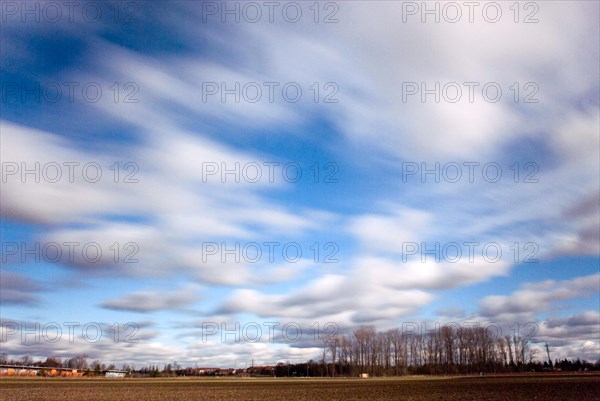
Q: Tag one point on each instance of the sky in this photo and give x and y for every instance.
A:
(227, 183)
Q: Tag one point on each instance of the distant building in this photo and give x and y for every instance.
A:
(14, 370)
(115, 373)
(18, 371)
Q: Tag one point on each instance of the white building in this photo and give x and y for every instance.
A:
(115, 373)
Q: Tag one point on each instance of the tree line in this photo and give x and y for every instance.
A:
(447, 350)
(79, 362)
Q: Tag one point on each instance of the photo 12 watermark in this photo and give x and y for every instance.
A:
(252, 12)
(493, 329)
(55, 12)
(471, 92)
(454, 252)
(69, 252)
(453, 12)
(71, 172)
(254, 332)
(269, 92)
(268, 252)
(471, 171)
(69, 92)
(269, 172)
(53, 332)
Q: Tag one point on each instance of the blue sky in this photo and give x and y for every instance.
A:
(363, 174)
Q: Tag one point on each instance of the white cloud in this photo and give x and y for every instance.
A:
(154, 300)
(19, 289)
(377, 290)
(538, 297)
(388, 232)
(174, 205)
(574, 336)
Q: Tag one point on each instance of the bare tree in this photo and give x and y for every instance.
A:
(510, 350)
(323, 356)
(333, 343)
(26, 360)
(448, 338)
